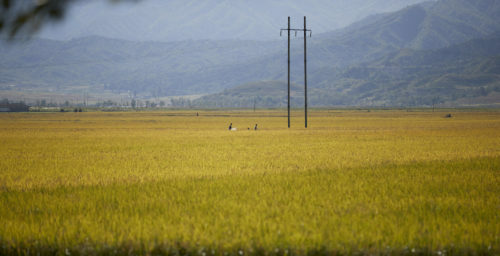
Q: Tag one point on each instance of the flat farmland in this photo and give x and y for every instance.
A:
(174, 182)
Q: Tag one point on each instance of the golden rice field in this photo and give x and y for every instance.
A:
(354, 182)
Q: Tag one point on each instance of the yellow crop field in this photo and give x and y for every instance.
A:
(354, 182)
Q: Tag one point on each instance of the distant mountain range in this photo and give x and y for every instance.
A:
(418, 77)
(179, 20)
(406, 77)
(434, 52)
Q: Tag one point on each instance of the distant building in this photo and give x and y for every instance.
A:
(14, 107)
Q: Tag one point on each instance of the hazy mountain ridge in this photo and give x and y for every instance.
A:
(127, 66)
(420, 77)
(425, 26)
(179, 20)
(403, 78)
(405, 46)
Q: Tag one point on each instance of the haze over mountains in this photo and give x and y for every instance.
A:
(444, 51)
(178, 20)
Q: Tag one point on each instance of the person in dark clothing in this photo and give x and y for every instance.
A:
(255, 128)
(230, 126)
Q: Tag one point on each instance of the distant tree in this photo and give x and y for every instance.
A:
(108, 103)
(435, 100)
(162, 103)
(181, 102)
(133, 103)
(483, 92)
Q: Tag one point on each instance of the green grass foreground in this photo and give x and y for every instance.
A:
(383, 182)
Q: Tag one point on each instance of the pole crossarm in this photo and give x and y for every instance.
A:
(296, 30)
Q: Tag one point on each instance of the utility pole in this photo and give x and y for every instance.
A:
(305, 65)
(288, 71)
(305, 72)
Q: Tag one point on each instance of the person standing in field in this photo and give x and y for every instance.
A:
(230, 126)
(255, 128)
